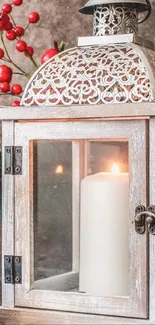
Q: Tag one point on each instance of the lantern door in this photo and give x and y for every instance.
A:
(75, 204)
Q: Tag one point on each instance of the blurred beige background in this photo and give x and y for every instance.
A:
(59, 20)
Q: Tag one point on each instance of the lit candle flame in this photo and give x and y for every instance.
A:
(115, 169)
(59, 169)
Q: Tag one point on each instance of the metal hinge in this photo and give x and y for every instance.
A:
(13, 160)
(12, 269)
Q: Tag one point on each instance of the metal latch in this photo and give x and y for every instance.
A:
(145, 216)
(13, 269)
(140, 219)
(13, 160)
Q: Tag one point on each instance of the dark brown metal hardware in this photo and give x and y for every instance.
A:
(8, 160)
(142, 216)
(140, 219)
(8, 268)
(18, 160)
(17, 269)
(151, 219)
(13, 160)
(13, 269)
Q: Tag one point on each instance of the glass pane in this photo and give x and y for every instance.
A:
(104, 154)
(102, 268)
(52, 188)
(104, 245)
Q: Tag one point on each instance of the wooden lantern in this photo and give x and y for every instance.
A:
(78, 242)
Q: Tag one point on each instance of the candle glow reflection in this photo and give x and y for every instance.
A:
(115, 169)
(59, 169)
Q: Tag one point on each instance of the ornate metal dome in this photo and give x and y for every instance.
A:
(94, 74)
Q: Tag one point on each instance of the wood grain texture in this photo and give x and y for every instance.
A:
(152, 202)
(78, 111)
(136, 304)
(20, 316)
(7, 214)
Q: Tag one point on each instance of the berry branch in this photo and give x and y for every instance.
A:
(12, 20)
(13, 32)
(11, 61)
(27, 53)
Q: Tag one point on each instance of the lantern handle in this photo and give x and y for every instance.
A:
(149, 10)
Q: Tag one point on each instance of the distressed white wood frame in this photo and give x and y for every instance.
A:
(152, 238)
(8, 220)
(127, 110)
(116, 111)
(136, 305)
(30, 316)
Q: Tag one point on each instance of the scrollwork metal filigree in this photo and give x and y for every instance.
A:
(90, 75)
(115, 19)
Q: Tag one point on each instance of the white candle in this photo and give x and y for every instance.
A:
(104, 245)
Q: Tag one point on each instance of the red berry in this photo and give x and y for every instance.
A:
(1, 53)
(21, 46)
(17, 2)
(16, 103)
(6, 8)
(48, 54)
(16, 89)
(11, 35)
(33, 17)
(5, 18)
(19, 30)
(9, 26)
(1, 25)
(5, 73)
(30, 51)
(4, 87)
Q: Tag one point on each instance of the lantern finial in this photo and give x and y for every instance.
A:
(116, 16)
